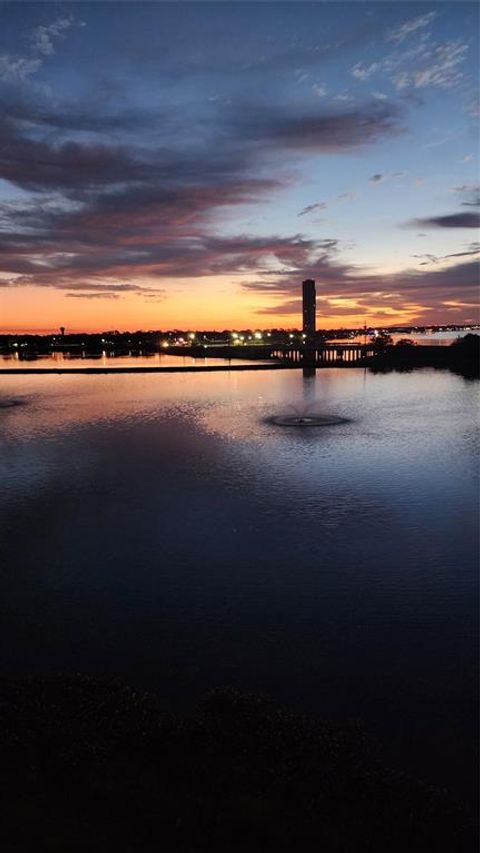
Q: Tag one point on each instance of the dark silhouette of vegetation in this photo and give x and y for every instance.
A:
(468, 344)
(462, 356)
(382, 341)
(88, 764)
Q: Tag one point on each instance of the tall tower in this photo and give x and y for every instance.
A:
(309, 307)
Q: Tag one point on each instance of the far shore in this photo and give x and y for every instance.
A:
(463, 357)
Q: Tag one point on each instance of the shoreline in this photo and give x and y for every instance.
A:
(212, 368)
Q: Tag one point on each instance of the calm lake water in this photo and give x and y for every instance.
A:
(58, 360)
(158, 528)
(430, 339)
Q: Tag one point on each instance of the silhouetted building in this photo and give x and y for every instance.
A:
(309, 307)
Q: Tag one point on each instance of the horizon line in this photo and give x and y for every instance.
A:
(56, 330)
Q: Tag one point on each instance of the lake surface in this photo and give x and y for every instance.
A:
(430, 339)
(58, 360)
(159, 528)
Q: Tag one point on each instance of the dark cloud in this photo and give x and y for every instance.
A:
(38, 164)
(472, 190)
(92, 295)
(467, 188)
(95, 117)
(42, 148)
(105, 250)
(86, 288)
(452, 220)
(432, 259)
(311, 208)
(337, 282)
(111, 209)
(473, 249)
(449, 280)
(292, 306)
(319, 131)
(108, 204)
(75, 149)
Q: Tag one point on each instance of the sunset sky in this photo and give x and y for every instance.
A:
(187, 164)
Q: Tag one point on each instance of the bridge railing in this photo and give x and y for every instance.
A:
(326, 354)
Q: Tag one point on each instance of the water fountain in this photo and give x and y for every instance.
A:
(306, 418)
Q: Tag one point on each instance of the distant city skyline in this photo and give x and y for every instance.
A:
(253, 330)
(188, 165)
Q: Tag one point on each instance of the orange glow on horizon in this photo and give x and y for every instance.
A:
(206, 304)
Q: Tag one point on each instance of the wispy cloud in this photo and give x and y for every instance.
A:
(43, 38)
(311, 208)
(413, 25)
(344, 97)
(42, 45)
(471, 250)
(320, 89)
(416, 61)
(17, 68)
(361, 71)
(92, 295)
(381, 178)
(427, 259)
(438, 67)
(470, 190)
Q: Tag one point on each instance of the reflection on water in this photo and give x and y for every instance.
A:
(430, 339)
(158, 527)
(57, 360)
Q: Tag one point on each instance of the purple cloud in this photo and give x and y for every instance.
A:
(452, 220)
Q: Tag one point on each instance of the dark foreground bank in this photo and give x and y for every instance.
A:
(88, 764)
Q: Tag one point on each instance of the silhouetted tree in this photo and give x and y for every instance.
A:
(469, 343)
(382, 341)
